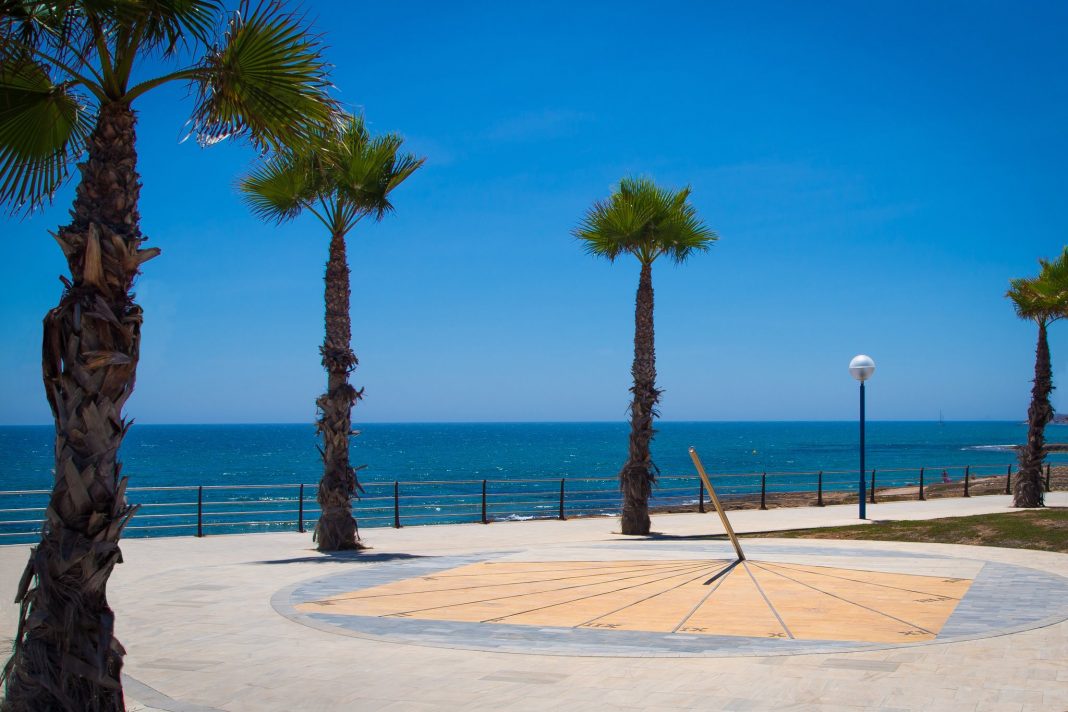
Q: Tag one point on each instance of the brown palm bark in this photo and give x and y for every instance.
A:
(639, 473)
(66, 656)
(1028, 491)
(336, 529)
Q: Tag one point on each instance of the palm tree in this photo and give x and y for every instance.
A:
(343, 176)
(70, 73)
(1043, 300)
(646, 221)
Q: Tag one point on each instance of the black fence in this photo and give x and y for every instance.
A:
(215, 509)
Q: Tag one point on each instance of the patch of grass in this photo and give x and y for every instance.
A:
(1042, 529)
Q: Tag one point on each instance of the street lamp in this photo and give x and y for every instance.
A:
(862, 367)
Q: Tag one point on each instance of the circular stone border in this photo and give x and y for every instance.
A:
(1003, 599)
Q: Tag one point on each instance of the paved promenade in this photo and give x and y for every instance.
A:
(221, 623)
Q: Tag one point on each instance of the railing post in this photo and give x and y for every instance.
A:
(200, 510)
(300, 511)
(396, 504)
(485, 520)
(700, 496)
(763, 490)
(967, 476)
(562, 517)
(1047, 478)
(1008, 480)
(819, 489)
(923, 496)
(872, 485)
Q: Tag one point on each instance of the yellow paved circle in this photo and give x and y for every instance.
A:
(762, 599)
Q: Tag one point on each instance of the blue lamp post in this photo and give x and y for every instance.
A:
(862, 367)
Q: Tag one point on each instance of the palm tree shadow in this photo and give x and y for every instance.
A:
(328, 557)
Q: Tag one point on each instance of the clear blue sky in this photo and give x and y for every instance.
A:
(876, 173)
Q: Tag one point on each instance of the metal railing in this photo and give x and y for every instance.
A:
(206, 509)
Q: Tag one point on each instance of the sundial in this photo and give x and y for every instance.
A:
(762, 599)
(740, 597)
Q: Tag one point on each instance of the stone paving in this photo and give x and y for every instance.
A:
(197, 619)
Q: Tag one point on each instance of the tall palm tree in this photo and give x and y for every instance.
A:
(70, 74)
(343, 176)
(1043, 300)
(646, 221)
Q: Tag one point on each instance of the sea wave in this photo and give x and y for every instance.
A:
(991, 448)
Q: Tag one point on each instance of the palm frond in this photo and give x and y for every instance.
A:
(21, 24)
(24, 21)
(1023, 297)
(345, 169)
(645, 220)
(682, 233)
(43, 129)
(267, 82)
(367, 169)
(606, 227)
(168, 23)
(1044, 297)
(54, 33)
(279, 188)
(402, 168)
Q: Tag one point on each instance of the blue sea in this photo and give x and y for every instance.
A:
(439, 468)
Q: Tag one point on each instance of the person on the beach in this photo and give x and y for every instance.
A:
(945, 477)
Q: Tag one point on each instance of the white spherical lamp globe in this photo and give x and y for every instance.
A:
(862, 367)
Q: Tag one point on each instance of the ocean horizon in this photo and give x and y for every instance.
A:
(264, 453)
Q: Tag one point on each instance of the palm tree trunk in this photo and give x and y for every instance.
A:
(66, 656)
(639, 473)
(1028, 489)
(337, 527)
